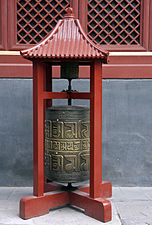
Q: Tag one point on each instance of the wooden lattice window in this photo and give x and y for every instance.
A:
(35, 19)
(114, 24)
(114, 21)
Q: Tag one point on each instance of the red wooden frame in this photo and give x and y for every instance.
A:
(91, 199)
(12, 26)
(3, 24)
(145, 20)
(150, 44)
(146, 23)
(75, 6)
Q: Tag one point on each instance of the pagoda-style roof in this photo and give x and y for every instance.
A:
(66, 41)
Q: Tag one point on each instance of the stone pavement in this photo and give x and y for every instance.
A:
(131, 206)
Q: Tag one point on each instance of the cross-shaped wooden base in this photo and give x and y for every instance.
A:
(98, 208)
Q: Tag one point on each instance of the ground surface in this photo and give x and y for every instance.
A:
(131, 206)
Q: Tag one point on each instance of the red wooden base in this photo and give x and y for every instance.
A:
(98, 208)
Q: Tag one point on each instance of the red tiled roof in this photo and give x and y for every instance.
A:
(67, 40)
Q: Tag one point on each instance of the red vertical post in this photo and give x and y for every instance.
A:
(96, 129)
(38, 129)
(83, 14)
(75, 4)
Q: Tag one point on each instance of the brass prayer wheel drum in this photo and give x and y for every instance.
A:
(67, 144)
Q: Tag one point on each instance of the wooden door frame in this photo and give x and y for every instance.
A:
(3, 24)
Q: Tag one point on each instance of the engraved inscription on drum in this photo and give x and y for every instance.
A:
(66, 130)
(67, 146)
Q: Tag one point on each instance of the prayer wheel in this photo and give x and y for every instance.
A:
(67, 143)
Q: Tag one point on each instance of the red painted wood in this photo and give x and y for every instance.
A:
(99, 208)
(36, 206)
(13, 59)
(95, 129)
(114, 59)
(83, 14)
(32, 206)
(119, 67)
(130, 59)
(55, 95)
(85, 188)
(127, 71)
(65, 95)
(105, 189)
(51, 186)
(124, 48)
(110, 71)
(8, 70)
(74, 4)
(38, 129)
(3, 24)
(12, 25)
(145, 22)
(150, 44)
(77, 95)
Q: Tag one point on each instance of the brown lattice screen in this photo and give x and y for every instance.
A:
(36, 18)
(114, 21)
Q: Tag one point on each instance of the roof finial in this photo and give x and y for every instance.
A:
(69, 13)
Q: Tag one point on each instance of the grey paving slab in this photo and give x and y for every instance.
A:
(134, 222)
(21, 192)
(10, 196)
(11, 217)
(139, 211)
(114, 209)
(117, 194)
(5, 192)
(133, 194)
(148, 192)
